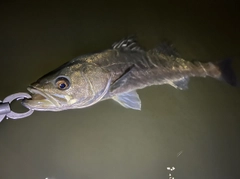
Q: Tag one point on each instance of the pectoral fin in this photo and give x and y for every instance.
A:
(129, 100)
(181, 84)
(122, 80)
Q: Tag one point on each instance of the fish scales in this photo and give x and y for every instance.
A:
(116, 74)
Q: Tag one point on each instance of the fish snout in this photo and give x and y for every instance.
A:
(34, 85)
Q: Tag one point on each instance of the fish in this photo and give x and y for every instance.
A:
(117, 73)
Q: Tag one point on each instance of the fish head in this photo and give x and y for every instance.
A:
(73, 85)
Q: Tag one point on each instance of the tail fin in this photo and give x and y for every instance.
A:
(227, 73)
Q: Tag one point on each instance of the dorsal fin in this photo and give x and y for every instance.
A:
(166, 48)
(128, 43)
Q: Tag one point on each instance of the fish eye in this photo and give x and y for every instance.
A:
(62, 83)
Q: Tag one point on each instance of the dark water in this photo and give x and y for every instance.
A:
(196, 131)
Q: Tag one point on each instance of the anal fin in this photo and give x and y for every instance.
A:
(129, 100)
(181, 84)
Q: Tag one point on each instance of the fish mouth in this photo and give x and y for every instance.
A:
(40, 101)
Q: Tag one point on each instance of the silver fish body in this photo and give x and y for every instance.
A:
(116, 74)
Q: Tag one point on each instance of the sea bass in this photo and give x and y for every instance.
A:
(116, 74)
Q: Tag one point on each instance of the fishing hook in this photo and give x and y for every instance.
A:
(5, 109)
